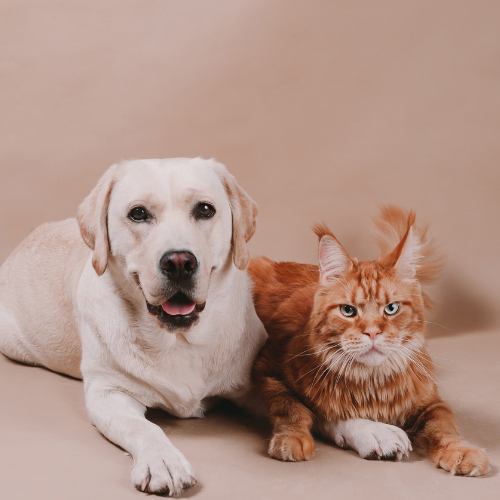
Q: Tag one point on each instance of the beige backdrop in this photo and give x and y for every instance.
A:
(323, 110)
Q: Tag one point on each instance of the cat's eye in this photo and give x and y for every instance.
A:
(139, 214)
(204, 211)
(348, 311)
(392, 308)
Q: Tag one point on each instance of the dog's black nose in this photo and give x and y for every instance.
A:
(178, 265)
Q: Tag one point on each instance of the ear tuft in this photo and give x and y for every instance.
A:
(333, 259)
(321, 229)
(407, 263)
(406, 256)
(390, 227)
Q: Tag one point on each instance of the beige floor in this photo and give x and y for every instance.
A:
(50, 451)
(323, 110)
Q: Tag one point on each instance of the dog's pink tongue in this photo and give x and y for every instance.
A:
(175, 308)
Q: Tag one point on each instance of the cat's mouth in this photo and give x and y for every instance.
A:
(372, 350)
(372, 356)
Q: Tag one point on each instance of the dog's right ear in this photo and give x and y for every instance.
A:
(93, 220)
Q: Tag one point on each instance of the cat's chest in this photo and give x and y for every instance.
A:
(345, 399)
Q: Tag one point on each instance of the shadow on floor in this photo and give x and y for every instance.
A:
(224, 419)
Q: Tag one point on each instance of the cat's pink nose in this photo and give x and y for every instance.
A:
(372, 331)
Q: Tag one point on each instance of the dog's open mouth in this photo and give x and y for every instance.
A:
(178, 304)
(179, 311)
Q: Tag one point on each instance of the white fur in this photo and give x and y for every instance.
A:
(408, 262)
(55, 311)
(333, 260)
(369, 439)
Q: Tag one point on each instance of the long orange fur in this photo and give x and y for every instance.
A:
(300, 312)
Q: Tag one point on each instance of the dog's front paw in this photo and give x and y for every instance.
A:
(462, 459)
(373, 440)
(163, 473)
(291, 447)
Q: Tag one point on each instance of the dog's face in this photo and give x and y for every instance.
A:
(170, 224)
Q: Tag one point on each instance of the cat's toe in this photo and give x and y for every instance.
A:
(464, 460)
(291, 447)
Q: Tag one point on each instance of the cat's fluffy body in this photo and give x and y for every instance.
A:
(321, 366)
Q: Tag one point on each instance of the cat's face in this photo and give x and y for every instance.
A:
(370, 314)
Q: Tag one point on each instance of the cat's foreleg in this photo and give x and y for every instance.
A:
(371, 440)
(436, 430)
(291, 420)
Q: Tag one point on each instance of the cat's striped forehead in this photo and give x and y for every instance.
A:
(369, 282)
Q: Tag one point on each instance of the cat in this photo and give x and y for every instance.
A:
(347, 341)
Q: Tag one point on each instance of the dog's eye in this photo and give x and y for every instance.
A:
(348, 311)
(392, 308)
(204, 211)
(139, 214)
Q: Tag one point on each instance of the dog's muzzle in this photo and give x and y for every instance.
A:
(177, 313)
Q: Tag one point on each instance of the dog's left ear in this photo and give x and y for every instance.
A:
(93, 219)
(244, 214)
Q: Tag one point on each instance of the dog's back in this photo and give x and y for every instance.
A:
(37, 285)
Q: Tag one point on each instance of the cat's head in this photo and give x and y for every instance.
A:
(373, 311)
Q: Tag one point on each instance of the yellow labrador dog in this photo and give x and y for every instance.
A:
(147, 299)
(156, 313)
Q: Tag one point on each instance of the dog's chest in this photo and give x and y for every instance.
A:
(180, 382)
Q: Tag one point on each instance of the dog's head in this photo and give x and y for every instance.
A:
(167, 225)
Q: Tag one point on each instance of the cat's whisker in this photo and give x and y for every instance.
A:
(318, 368)
(328, 346)
(415, 361)
(417, 347)
(344, 364)
(401, 368)
(332, 362)
(433, 323)
(312, 369)
(412, 343)
(429, 359)
(411, 368)
(324, 376)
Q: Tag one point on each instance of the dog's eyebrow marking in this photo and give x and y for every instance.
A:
(193, 193)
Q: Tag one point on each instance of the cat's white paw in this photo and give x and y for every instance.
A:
(164, 473)
(372, 440)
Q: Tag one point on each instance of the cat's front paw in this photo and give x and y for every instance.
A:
(462, 459)
(372, 440)
(291, 447)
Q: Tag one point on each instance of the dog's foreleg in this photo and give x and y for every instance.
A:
(159, 467)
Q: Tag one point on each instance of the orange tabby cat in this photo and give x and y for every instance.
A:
(346, 341)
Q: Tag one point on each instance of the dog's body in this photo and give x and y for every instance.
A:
(57, 311)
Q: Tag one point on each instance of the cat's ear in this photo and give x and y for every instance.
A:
(333, 259)
(406, 256)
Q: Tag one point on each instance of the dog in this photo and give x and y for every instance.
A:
(146, 298)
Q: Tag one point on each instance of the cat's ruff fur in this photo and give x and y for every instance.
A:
(320, 367)
(57, 312)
